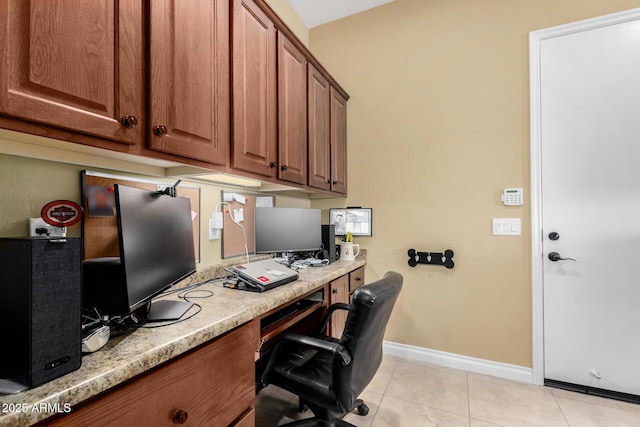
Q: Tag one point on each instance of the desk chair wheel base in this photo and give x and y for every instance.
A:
(363, 409)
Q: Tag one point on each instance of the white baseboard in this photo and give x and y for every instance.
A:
(457, 361)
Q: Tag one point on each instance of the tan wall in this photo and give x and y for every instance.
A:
(438, 126)
(291, 18)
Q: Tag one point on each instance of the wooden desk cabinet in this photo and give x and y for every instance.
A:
(342, 290)
(213, 385)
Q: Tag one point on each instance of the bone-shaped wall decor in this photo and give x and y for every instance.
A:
(434, 258)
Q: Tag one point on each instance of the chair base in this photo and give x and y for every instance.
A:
(360, 406)
(308, 422)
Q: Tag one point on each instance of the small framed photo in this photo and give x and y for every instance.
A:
(359, 221)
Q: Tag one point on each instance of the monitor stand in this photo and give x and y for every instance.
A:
(164, 310)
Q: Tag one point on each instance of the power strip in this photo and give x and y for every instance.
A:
(39, 228)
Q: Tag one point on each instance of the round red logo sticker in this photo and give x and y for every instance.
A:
(61, 213)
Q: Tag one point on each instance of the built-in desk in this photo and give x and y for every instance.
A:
(197, 361)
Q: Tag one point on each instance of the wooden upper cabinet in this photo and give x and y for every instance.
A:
(254, 86)
(292, 112)
(74, 64)
(189, 78)
(319, 131)
(338, 142)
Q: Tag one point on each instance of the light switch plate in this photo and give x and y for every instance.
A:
(507, 227)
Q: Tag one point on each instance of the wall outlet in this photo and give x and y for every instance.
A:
(214, 233)
(39, 228)
(217, 221)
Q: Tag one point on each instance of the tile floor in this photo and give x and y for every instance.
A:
(407, 393)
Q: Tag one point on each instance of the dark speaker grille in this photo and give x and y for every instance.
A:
(56, 309)
(40, 288)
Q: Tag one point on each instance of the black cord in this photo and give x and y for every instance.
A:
(185, 294)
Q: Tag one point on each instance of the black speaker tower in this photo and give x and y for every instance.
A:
(40, 310)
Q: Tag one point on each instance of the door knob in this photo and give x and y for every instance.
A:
(554, 236)
(555, 256)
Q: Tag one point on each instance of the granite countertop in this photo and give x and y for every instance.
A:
(132, 354)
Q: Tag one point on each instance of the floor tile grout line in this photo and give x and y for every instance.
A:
(468, 398)
(555, 399)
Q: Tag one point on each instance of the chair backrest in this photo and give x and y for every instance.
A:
(363, 335)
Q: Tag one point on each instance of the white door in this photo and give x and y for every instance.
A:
(590, 187)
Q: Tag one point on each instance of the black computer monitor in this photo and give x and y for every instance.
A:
(155, 234)
(287, 230)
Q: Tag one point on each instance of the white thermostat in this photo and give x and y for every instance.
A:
(512, 197)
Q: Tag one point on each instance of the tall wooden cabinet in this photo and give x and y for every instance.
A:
(76, 65)
(292, 112)
(327, 134)
(254, 106)
(338, 142)
(189, 78)
(319, 130)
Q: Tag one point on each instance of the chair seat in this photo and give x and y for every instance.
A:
(306, 372)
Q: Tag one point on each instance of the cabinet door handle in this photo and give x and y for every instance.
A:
(284, 167)
(160, 130)
(129, 121)
(328, 181)
(180, 417)
(358, 279)
(334, 182)
(273, 164)
(334, 291)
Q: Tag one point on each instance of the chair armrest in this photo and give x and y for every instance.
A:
(330, 310)
(318, 344)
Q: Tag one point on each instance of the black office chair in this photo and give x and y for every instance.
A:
(328, 374)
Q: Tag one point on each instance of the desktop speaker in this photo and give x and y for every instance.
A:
(40, 309)
(329, 242)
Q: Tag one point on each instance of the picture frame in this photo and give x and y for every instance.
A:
(358, 221)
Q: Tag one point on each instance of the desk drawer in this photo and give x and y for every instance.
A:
(356, 279)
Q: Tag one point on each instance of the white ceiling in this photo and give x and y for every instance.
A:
(318, 12)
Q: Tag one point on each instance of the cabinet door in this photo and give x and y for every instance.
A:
(338, 142)
(189, 78)
(292, 112)
(339, 293)
(356, 279)
(254, 90)
(211, 386)
(319, 138)
(74, 64)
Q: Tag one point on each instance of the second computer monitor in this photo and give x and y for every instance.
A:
(287, 230)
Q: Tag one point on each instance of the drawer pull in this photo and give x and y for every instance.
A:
(358, 279)
(180, 417)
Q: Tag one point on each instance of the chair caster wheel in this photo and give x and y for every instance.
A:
(363, 410)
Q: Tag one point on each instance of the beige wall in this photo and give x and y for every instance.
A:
(437, 128)
(291, 18)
